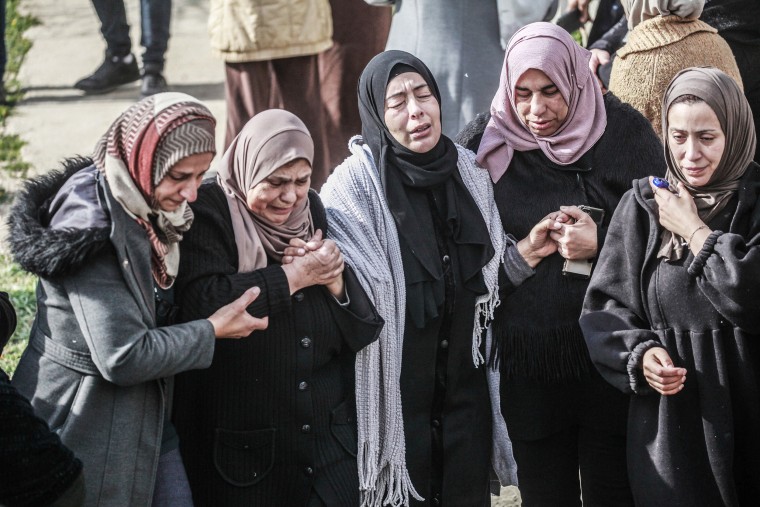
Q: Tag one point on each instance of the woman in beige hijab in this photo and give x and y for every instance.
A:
(671, 314)
(665, 37)
(273, 422)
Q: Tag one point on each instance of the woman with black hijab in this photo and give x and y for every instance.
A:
(415, 217)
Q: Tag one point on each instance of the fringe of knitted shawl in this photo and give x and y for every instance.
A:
(363, 227)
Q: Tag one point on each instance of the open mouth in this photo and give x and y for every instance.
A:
(420, 131)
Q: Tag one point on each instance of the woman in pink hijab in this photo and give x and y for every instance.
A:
(556, 147)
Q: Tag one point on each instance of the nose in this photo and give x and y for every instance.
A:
(693, 152)
(288, 195)
(189, 191)
(415, 111)
(537, 105)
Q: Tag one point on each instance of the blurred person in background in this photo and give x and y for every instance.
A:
(737, 21)
(462, 42)
(270, 51)
(120, 64)
(665, 37)
(360, 31)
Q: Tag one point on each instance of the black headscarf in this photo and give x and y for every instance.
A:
(412, 181)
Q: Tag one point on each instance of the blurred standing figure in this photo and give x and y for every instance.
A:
(270, 50)
(665, 38)
(120, 65)
(342, 64)
(671, 313)
(462, 42)
(737, 21)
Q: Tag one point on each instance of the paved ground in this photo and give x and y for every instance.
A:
(57, 121)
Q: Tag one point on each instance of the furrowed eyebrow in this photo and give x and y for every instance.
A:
(543, 88)
(422, 85)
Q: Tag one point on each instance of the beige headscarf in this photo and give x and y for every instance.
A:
(726, 99)
(136, 153)
(268, 141)
(640, 10)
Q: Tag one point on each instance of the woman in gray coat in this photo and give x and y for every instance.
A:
(103, 237)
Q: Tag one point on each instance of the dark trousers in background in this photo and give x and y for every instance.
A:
(155, 18)
(547, 469)
(342, 64)
(285, 83)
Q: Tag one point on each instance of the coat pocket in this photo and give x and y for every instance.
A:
(343, 426)
(244, 458)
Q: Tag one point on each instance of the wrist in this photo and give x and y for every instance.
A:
(291, 273)
(694, 231)
(531, 258)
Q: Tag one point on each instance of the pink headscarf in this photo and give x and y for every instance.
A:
(550, 49)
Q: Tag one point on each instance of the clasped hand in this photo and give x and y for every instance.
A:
(569, 231)
(314, 262)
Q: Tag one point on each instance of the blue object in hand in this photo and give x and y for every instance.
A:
(660, 183)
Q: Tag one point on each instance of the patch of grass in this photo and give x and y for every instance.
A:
(16, 282)
(20, 287)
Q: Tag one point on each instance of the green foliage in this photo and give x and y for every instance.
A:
(578, 37)
(20, 286)
(17, 46)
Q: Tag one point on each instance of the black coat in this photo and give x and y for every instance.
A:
(702, 445)
(548, 380)
(273, 419)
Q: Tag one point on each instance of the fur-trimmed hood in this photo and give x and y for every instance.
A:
(40, 249)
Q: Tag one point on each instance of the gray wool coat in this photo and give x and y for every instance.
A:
(97, 368)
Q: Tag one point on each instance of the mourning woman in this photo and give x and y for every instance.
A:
(415, 217)
(671, 316)
(103, 236)
(553, 142)
(272, 421)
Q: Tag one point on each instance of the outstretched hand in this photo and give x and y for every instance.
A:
(660, 373)
(234, 321)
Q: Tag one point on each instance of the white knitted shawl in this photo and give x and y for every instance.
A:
(363, 227)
